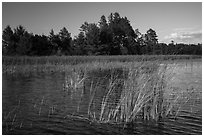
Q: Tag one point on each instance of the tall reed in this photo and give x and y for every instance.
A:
(141, 96)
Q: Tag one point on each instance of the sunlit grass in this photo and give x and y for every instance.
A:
(50, 64)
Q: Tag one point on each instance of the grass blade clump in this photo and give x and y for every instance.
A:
(141, 95)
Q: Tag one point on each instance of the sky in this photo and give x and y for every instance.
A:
(177, 21)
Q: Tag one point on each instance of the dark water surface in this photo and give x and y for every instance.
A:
(40, 104)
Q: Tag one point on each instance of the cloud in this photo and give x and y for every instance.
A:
(184, 29)
(185, 36)
(197, 35)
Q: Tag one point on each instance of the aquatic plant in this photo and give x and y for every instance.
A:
(143, 96)
(45, 64)
(141, 92)
(74, 81)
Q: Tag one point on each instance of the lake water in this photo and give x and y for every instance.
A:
(41, 104)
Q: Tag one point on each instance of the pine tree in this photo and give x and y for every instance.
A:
(65, 38)
(151, 40)
(8, 41)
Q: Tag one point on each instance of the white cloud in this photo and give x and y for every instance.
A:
(185, 36)
(183, 29)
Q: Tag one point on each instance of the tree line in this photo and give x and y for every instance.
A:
(114, 36)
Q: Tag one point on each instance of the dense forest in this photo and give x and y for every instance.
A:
(114, 36)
